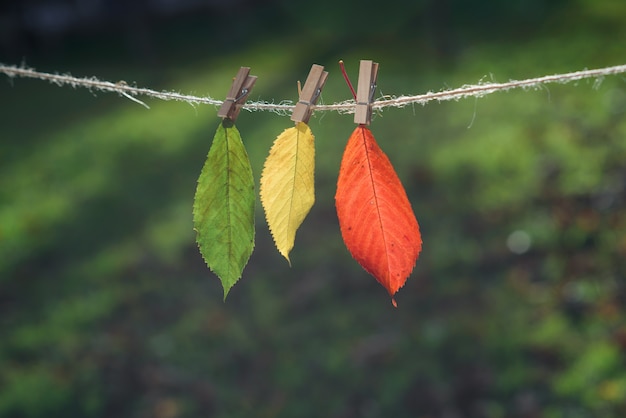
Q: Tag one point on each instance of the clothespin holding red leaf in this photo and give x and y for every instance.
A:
(368, 73)
(375, 216)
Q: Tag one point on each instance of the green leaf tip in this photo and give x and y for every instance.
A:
(223, 207)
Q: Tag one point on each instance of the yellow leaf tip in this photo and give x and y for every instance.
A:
(286, 255)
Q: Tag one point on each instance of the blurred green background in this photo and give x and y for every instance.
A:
(515, 307)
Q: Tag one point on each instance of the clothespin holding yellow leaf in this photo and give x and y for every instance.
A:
(287, 182)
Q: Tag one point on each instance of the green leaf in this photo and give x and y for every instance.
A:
(223, 208)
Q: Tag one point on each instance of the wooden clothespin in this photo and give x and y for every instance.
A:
(239, 91)
(368, 72)
(310, 94)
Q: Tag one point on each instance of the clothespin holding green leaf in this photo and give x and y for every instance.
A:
(223, 208)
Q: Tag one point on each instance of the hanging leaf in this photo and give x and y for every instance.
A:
(287, 186)
(375, 216)
(223, 208)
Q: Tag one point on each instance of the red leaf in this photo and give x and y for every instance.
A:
(376, 219)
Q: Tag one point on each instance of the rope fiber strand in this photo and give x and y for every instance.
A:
(286, 107)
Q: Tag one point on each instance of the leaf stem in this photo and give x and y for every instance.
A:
(345, 76)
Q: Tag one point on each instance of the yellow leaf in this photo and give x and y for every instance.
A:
(287, 189)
